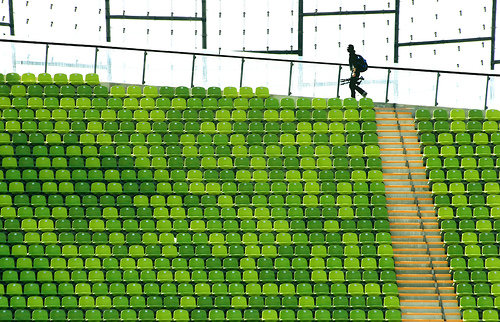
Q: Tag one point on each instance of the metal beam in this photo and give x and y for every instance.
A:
(108, 21)
(144, 68)
(396, 32)
(290, 79)
(437, 89)
(387, 86)
(493, 32)
(204, 24)
(11, 17)
(300, 27)
(166, 18)
(241, 71)
(486, 93)
(447, 41)
(95, 59)
(348, 13)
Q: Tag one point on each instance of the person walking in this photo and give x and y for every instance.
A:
(357, 64)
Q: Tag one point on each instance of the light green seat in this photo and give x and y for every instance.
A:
(457, 114)
(492, 115)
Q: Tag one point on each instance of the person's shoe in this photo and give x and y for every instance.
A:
(364, 94)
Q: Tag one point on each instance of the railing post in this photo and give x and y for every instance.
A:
(95, 60)
(241, 71)
(387, 86)
(144, 68)
(437, 88)
(338, 82)
(290, 79)
(486, 93)
(192, 70)
(46, 56)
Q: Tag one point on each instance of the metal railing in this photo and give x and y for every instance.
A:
(283, 75)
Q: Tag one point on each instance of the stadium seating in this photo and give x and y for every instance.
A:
(461, 154)
(178, 203)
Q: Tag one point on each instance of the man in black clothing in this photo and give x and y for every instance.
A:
(355, 73)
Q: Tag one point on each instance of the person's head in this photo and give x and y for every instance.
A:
(350, 49)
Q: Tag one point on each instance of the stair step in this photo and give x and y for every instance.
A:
(426, 290)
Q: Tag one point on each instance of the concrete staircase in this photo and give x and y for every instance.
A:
(426, 289)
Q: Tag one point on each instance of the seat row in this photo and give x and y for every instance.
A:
(468, 225)
(47, 79)
(456, 115)
(116, 287)
(458, 188)
(226, 213)
(189, 200)
(460, 139)
(208, 163)
(201, 315)
(458, 127)
(479, 212)
(198, 176)
(66, 98)
(21, 93)
(226, 133)
(464, 151)
(214, 188)
(471, 237)
(100, 111)
(266, 228)
(235, 151)
(101, 231)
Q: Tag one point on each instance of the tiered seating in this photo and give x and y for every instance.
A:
(190, 204)
(462, 153)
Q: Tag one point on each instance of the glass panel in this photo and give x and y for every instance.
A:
(168, 69)
(23, 58)
(461, 91)
(271, 74)
(375, 84)
(494, 93)
(414, 88)
(314, 80)
(214, 71)
(70, 59)
(120, 66)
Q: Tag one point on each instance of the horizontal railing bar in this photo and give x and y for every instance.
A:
(287, 60)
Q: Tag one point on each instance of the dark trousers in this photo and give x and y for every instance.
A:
(353, 85)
